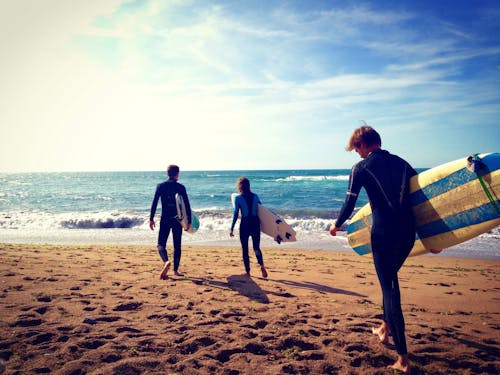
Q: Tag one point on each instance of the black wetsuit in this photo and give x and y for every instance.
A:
(166, 191)
(385, 178)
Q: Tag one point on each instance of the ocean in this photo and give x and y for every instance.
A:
(113, 208)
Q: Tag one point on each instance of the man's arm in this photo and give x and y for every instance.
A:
(186, 204)
(235, 214)
(154, 204)
(350, 201)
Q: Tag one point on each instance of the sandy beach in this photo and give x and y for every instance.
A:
(103, 310)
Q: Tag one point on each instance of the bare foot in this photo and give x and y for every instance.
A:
(247, 274)
(382, 332)
(264, 272)
(163, 274)
(401, 364)
(177, 273)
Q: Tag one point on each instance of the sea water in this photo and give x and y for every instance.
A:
(113, 208)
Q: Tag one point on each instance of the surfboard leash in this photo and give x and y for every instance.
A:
(475, 164)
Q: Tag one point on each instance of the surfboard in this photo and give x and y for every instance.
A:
(272, 224)
(452, 203)
(182, 216)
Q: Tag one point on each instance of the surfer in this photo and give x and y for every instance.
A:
(247, 203)
(385, 178)
(166, 191)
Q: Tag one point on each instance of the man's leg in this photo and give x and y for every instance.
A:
(162, 247)
(244, 235)
(177, 237)
(162, 240)
(257, 250)
(393, 314)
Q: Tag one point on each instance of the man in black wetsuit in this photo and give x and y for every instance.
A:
(166, 191)
(385, 178)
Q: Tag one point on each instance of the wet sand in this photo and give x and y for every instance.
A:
(103, 310)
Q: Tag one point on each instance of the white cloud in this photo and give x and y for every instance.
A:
(109, 85)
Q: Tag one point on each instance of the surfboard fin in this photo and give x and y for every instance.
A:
(288, 235)
(278, 221)
(279, 239)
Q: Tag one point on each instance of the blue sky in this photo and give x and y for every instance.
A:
(137, 85)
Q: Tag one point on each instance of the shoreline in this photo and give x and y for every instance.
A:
(102, 309)
(476, 248)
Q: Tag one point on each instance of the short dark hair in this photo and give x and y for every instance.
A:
(172, 170)
(365, 134)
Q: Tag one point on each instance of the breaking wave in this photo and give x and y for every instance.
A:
(122, 222)
(313, 178)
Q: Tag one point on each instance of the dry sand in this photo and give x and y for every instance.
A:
(103, 310)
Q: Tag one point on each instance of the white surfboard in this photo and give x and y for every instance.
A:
(272, 225)
(182, 216)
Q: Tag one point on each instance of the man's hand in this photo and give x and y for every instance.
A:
(188, 228)
(333, 230)
(231, 234)
(434, 251)
(152, 224)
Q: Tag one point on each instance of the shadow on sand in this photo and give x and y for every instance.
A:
(318, 287)
(242, 284)
(247, 287)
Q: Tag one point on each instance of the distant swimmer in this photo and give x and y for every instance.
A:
(385, 177)
(167, 191)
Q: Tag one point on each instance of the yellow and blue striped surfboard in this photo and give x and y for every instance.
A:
(451, 203)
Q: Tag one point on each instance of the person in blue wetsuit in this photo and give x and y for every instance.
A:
(166, 191)
(385, 177)
(247, 203)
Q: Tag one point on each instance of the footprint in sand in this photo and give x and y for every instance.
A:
(292, 342)
(170, 317)
(91, 344)
(43, 338)
(128, 306)
(256, 348)
(261, 324)
(27, 323)
(249, 335)
(314, 332)
(429, 349)
(127, 329)
(194, 345)
(108, 319)
(225, 355)
(42, 310)
(360, 327)
(110, 358)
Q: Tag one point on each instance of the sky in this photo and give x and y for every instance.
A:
(118, 85)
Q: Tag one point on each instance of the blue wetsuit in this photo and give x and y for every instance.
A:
(385, 178)
(249, 226)
(166, 191)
